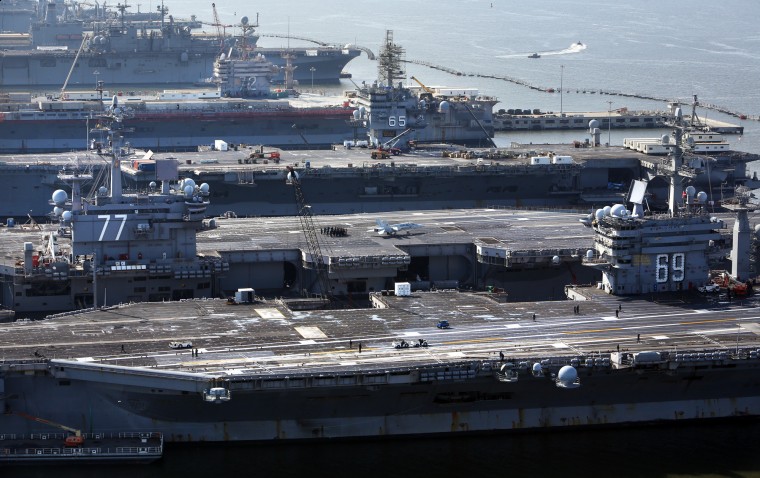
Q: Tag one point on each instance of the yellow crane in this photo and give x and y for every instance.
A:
(427, 90)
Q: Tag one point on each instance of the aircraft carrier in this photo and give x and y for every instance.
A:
(410, 352)
(249, 181)
(245, 109)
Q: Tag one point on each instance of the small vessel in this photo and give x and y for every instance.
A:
(534, 55)
(56, 448)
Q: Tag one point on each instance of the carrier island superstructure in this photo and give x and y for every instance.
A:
(647, 253)
(114, 235)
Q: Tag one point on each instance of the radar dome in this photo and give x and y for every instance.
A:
(590, 254)
(690, 141)
(599, 214)
(702, 197)
(292, 176)
(188, 182)
(714, 219)
(757, 228)
(593, 124)
(665, 139)
(690, 190)
(618, 210)
(205, 188)
(102, 190)
(567, 374)
(57, 211)
(555, 260)
(60, 196)
(607, 210)
(188, 191)
(444, 107)
(362, 111)
(244, 20)
(152, 185)
(66, 216)
(537, 369)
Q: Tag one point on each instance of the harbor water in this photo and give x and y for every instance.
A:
(647, 48)
(700, 451)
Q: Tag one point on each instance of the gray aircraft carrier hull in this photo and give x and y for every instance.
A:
(39, 68)
(379, 403)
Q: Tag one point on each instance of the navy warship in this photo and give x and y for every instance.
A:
(245, 108)
(425, 357)
(17, 15)
(263, 370)
(126, 52)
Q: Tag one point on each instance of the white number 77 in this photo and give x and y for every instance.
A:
(107, 217)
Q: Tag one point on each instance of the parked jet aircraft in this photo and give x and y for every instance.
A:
(383, 228)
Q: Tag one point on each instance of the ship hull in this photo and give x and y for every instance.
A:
(184, 132)
(19, 68)
(259, 193)
(348, 406)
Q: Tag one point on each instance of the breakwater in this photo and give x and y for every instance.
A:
(589, 91)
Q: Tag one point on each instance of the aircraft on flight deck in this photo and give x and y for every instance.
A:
(383, 228)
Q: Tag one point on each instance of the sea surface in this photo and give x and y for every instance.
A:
(666, 49)
(670, 50)
(678, 451)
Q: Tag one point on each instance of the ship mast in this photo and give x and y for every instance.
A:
(390, 59)
(675, 191)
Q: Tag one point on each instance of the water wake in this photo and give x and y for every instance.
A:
(574, 48)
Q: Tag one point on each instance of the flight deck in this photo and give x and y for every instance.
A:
(267, 338)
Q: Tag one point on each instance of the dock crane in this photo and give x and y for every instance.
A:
(219, 27)
(73, 65)
(74, 440)
(310, 232)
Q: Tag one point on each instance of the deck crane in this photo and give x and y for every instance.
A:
(74, 440)
(73, 65)
(422, 85)
(219, 26)
(310, 232)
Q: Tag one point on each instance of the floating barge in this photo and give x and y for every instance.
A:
(49, 448)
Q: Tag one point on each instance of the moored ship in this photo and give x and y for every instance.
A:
(165, 52)
(254, 369)
(246, 109)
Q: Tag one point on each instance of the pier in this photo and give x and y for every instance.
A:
(590, 91)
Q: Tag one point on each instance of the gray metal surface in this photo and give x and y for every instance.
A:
(266, 338)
